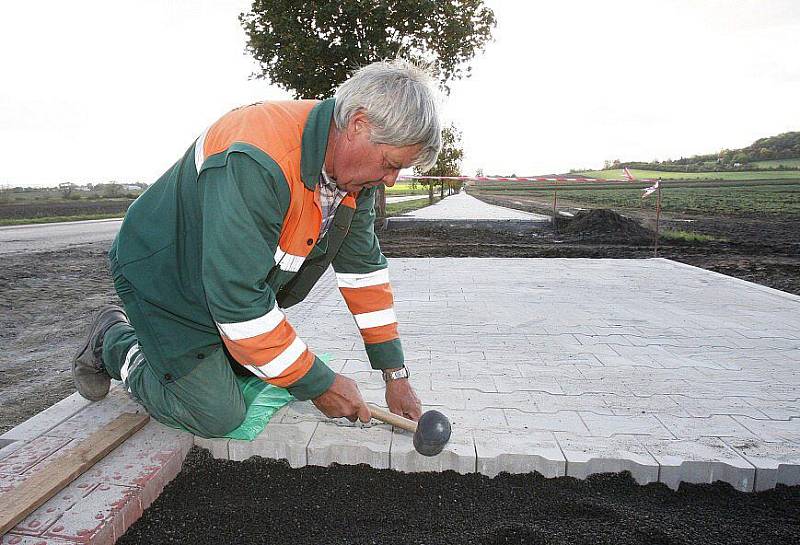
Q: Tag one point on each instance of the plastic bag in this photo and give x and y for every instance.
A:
(262, 400)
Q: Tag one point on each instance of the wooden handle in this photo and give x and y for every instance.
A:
(390, 418)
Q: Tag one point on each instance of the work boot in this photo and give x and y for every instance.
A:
(88, 371)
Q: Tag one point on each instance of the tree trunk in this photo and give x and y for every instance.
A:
(380, 206)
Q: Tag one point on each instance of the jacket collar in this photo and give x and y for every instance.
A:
(315, 142)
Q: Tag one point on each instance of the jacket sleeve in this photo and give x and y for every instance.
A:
(243, 208)
(363, 277)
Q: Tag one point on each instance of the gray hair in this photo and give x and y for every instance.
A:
(400, 103)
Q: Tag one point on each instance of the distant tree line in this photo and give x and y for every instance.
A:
(782, 146)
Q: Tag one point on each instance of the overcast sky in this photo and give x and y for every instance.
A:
(93, 90)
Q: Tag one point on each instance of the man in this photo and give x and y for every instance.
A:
(243, 225)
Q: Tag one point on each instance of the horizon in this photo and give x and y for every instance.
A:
(634, 81)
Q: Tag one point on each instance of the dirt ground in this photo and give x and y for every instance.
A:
(761, 249)
(260, 501)
(63, 208)
(46, 302)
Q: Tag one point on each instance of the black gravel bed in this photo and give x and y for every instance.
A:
(261, 501)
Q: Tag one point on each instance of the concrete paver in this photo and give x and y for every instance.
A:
(588, 455)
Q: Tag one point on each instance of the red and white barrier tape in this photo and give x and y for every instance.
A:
(522, 179)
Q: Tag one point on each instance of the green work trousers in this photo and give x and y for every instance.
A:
(206, 401)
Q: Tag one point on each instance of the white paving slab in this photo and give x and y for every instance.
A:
(570, 366)
(462, 206)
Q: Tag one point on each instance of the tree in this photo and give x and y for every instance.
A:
(309, 47)
(449, 161)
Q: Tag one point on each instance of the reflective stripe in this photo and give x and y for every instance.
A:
(199, 157)
(375, 319)
(132, 360)
(348, 280)
(252, 328)
(288, 262)
(282, 362)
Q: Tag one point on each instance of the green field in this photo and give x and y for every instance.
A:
(400, 208)
(788, 163)
(752, 175)
(404, 188)
(692, 197)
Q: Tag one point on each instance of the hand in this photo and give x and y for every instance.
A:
(343, 399)
(402, 400)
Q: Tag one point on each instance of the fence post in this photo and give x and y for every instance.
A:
(658, 217)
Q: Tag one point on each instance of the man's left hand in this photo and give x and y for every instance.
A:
(402, 400)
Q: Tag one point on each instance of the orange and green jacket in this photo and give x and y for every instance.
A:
(229, 236)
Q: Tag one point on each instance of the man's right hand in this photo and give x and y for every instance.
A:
(343, 399)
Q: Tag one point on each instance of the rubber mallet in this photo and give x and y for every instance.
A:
(431, 433)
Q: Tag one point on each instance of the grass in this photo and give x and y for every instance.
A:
(687, 236)
(404, 188)
(399, 208)
(57, 219)
(774, 163)
(751, 175)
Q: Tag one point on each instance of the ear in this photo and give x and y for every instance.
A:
(357, 124)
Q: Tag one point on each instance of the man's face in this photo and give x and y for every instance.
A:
(359, 163)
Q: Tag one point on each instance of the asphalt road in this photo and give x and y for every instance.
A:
(52, 236)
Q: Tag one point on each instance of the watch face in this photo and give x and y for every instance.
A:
(393, 375)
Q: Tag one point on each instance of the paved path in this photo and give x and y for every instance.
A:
(462, 206)
(52, 236)
(561, 366)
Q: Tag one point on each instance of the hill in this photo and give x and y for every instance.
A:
(780, 152)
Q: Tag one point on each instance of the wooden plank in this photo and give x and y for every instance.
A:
(31, 493)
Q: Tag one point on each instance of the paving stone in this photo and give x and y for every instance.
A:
(298, 411)
(31, 453)
(571, 386)
(710, 426)
(458, 455)
(99, 517)
(604, 425)
(516, 452)
(277, 441)
(704, 408)
(530, 384)
(703, 460)
(96, 414)
(46, 420)
(145, 462)
(634, 405)
(45, 516)
(772, 431)
(217, 446)
(568, 421)
(775, 463)
(350, 444)
(16, 539)
(550, 403)
(588, 455)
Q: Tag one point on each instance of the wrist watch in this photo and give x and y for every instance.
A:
(394, 375)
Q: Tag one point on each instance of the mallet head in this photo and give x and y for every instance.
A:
(433, 433)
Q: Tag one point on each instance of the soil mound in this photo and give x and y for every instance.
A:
(606, 225)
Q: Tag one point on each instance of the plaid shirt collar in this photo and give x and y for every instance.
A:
(330, 197)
